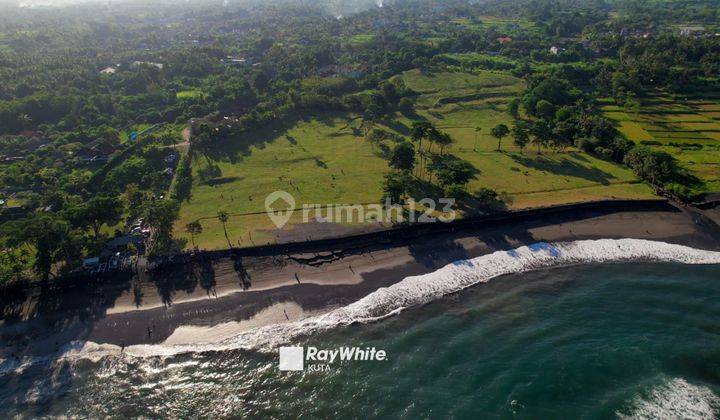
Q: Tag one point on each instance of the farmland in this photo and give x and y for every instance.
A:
(687, 129)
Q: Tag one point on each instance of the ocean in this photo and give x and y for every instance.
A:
(626, 339)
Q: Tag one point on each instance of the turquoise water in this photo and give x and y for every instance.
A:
(590, 341)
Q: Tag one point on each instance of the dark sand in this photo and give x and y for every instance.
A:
(180, 304)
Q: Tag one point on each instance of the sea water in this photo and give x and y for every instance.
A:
(620, 340)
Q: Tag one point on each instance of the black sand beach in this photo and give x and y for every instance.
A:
(178, 304)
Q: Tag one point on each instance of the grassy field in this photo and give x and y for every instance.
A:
(324, 159)
(320, 160)
(189, 94)
(687, 129)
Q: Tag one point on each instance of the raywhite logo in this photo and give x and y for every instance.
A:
(291, 358)
(319, 360)
(281, 216)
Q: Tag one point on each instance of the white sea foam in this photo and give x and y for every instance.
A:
(676, 399)
(419, 290)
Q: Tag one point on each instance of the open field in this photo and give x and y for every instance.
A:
(688, 130)
(189, 94)
(319, 160)
(324, 159)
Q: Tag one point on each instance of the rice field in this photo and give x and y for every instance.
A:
(688, 130)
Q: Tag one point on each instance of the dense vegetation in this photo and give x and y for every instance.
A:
(97, 105)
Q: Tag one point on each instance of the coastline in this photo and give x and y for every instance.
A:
(179, 303)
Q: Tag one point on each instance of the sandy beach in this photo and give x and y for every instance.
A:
(210, 300)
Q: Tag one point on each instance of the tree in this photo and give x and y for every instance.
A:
(406, 105)
(500, 131)
(514, 108)
(222, 216)
(440, 138)
(396, 185)
(418, 132)
(96, 212)
(542, 133)
(193, 228)
(655, 166)
(632, 105)
(53, 241)
(403, 157)
(520, 135)
(452, 170)
(545, 109)
(160, 216)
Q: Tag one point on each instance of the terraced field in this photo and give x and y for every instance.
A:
(687, 129)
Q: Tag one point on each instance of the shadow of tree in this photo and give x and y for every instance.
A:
(242, 273)
(564, 166)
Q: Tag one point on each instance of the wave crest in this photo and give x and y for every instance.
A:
(676, 399)
(419, 290)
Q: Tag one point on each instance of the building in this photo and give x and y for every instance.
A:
(97, 151)
(504, 40)
(691, 30)
(147, 63)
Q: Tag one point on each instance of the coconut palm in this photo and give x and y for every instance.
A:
(223, 218)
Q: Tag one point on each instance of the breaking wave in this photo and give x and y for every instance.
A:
(415, 291)
(676, 399)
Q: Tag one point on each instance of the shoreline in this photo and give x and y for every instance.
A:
(185, 300)
(345, 239)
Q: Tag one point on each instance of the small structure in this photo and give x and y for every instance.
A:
(91, 263)
(108, 70)
(504, 40)
(554, 50)
(147, 63)
(171, 158)
(97, 150)
(691, 30)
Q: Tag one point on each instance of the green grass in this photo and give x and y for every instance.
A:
(633, 130)
(317, 159)
(684, 122)
(189, 94)
(360, 39)
(324, 159)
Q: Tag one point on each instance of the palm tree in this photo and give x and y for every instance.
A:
(194, 228)
(419, 131)
(223, 218)
(477, 132)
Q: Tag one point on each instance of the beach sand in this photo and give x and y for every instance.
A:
(203, 302)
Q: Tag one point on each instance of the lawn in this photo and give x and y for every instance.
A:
(324, 159)
(318, 159)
